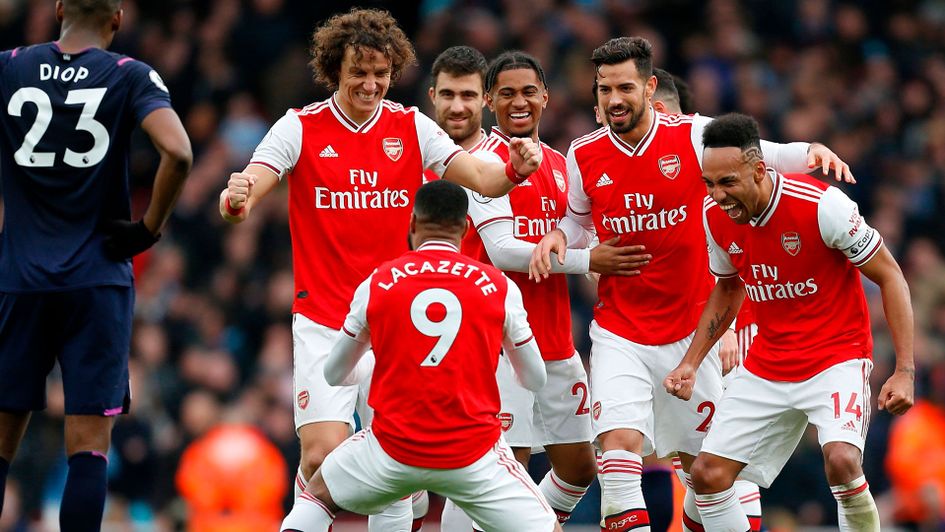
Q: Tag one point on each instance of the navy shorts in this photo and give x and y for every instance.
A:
(87, 330)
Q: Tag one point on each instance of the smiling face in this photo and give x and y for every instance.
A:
(458, 102)
(517, 99)
(623, 95)
(363, 82)
(737, 180)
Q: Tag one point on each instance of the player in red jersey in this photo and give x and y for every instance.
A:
(353, 163)
(507, 229)
(639, 179)
(797, 247)
(436, 320)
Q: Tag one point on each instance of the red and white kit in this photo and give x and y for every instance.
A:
(437, 320)
(812, 357)
(650, 194)
(507, 229)
(350, 194)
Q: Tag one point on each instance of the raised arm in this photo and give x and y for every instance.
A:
(495, 179)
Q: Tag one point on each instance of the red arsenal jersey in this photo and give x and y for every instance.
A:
(534, 207)
(649, 194)
(350, 193)
(798, 260)
(437, 320)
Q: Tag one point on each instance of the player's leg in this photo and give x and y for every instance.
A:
(622, 418)
(749, 496)
(357, 476)
(657, 484)
(562, 423)
(680, 426)
(27, 353)
(454, 519)
(837, 401)
(497, 492)
(754, 431)
(419, 506)
(94, 363)
(12, 427)
(324, 414)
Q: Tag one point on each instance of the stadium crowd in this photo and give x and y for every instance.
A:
(212, 342)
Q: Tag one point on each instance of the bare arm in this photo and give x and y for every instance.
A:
(170, 139)
(897, 395)
(724, 301)
(244, 190)
(494, 179)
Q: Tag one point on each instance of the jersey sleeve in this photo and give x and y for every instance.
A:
(843, 227)
(355, 325)
(148, 92)
(279, 150)
(720, 264)
(577, 225)
(437, 149)
(517, 330)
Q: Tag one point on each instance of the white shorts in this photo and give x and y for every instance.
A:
(315, 399)
(627, 392)
(495, 491)
(745, 336)
(760, 422)
(558, 413)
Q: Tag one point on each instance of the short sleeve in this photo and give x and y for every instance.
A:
(699, 123)
(843, 227)
(578, 202)
(355, 325)
(517, 330)
(436, 147)
(720, 264)
(280, 149)
(148, 92)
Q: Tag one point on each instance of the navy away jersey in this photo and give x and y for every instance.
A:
(65, 129)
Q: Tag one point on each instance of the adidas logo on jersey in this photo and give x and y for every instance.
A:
(734, 249)
(604, 180)
(849, 426)
(328, 152)
(525, 183)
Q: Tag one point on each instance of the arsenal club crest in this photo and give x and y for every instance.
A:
(505, 420)
(791, 242)
(595, 410)
(670, 166)
(394, 148)
(303, 399)
(559, 180)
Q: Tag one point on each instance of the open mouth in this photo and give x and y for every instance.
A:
(618, 114)
(733, 210)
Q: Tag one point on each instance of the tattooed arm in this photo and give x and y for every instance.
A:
(724, 301)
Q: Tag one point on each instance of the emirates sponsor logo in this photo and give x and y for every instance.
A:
(670, 166)
(505, 420)
(791, 242)
(303, 399)
(393, 148)
(595, 410)
(559, 180)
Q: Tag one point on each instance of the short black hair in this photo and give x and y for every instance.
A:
(732, 130)
(441, 202)
(620, 49)
(90, 10)
(665, 86)
(460, 61)
(511, 61)
(685, 95)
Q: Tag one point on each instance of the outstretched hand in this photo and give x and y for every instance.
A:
(822, 156)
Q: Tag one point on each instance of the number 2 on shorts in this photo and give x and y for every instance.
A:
(445, 330)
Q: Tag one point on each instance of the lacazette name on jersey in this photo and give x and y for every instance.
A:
(468, 271)
(358, 197)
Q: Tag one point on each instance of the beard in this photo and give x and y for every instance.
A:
(461, 133)
(630, 124)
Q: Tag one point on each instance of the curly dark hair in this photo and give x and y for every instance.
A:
(373, 29)
(732, 130)
(622, 49)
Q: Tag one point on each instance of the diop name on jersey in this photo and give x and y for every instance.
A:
(459, 269)
(649, 221)
(771, 291)
(73, 74)
(325, 198)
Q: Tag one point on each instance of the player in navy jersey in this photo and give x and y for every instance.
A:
(69, 108)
